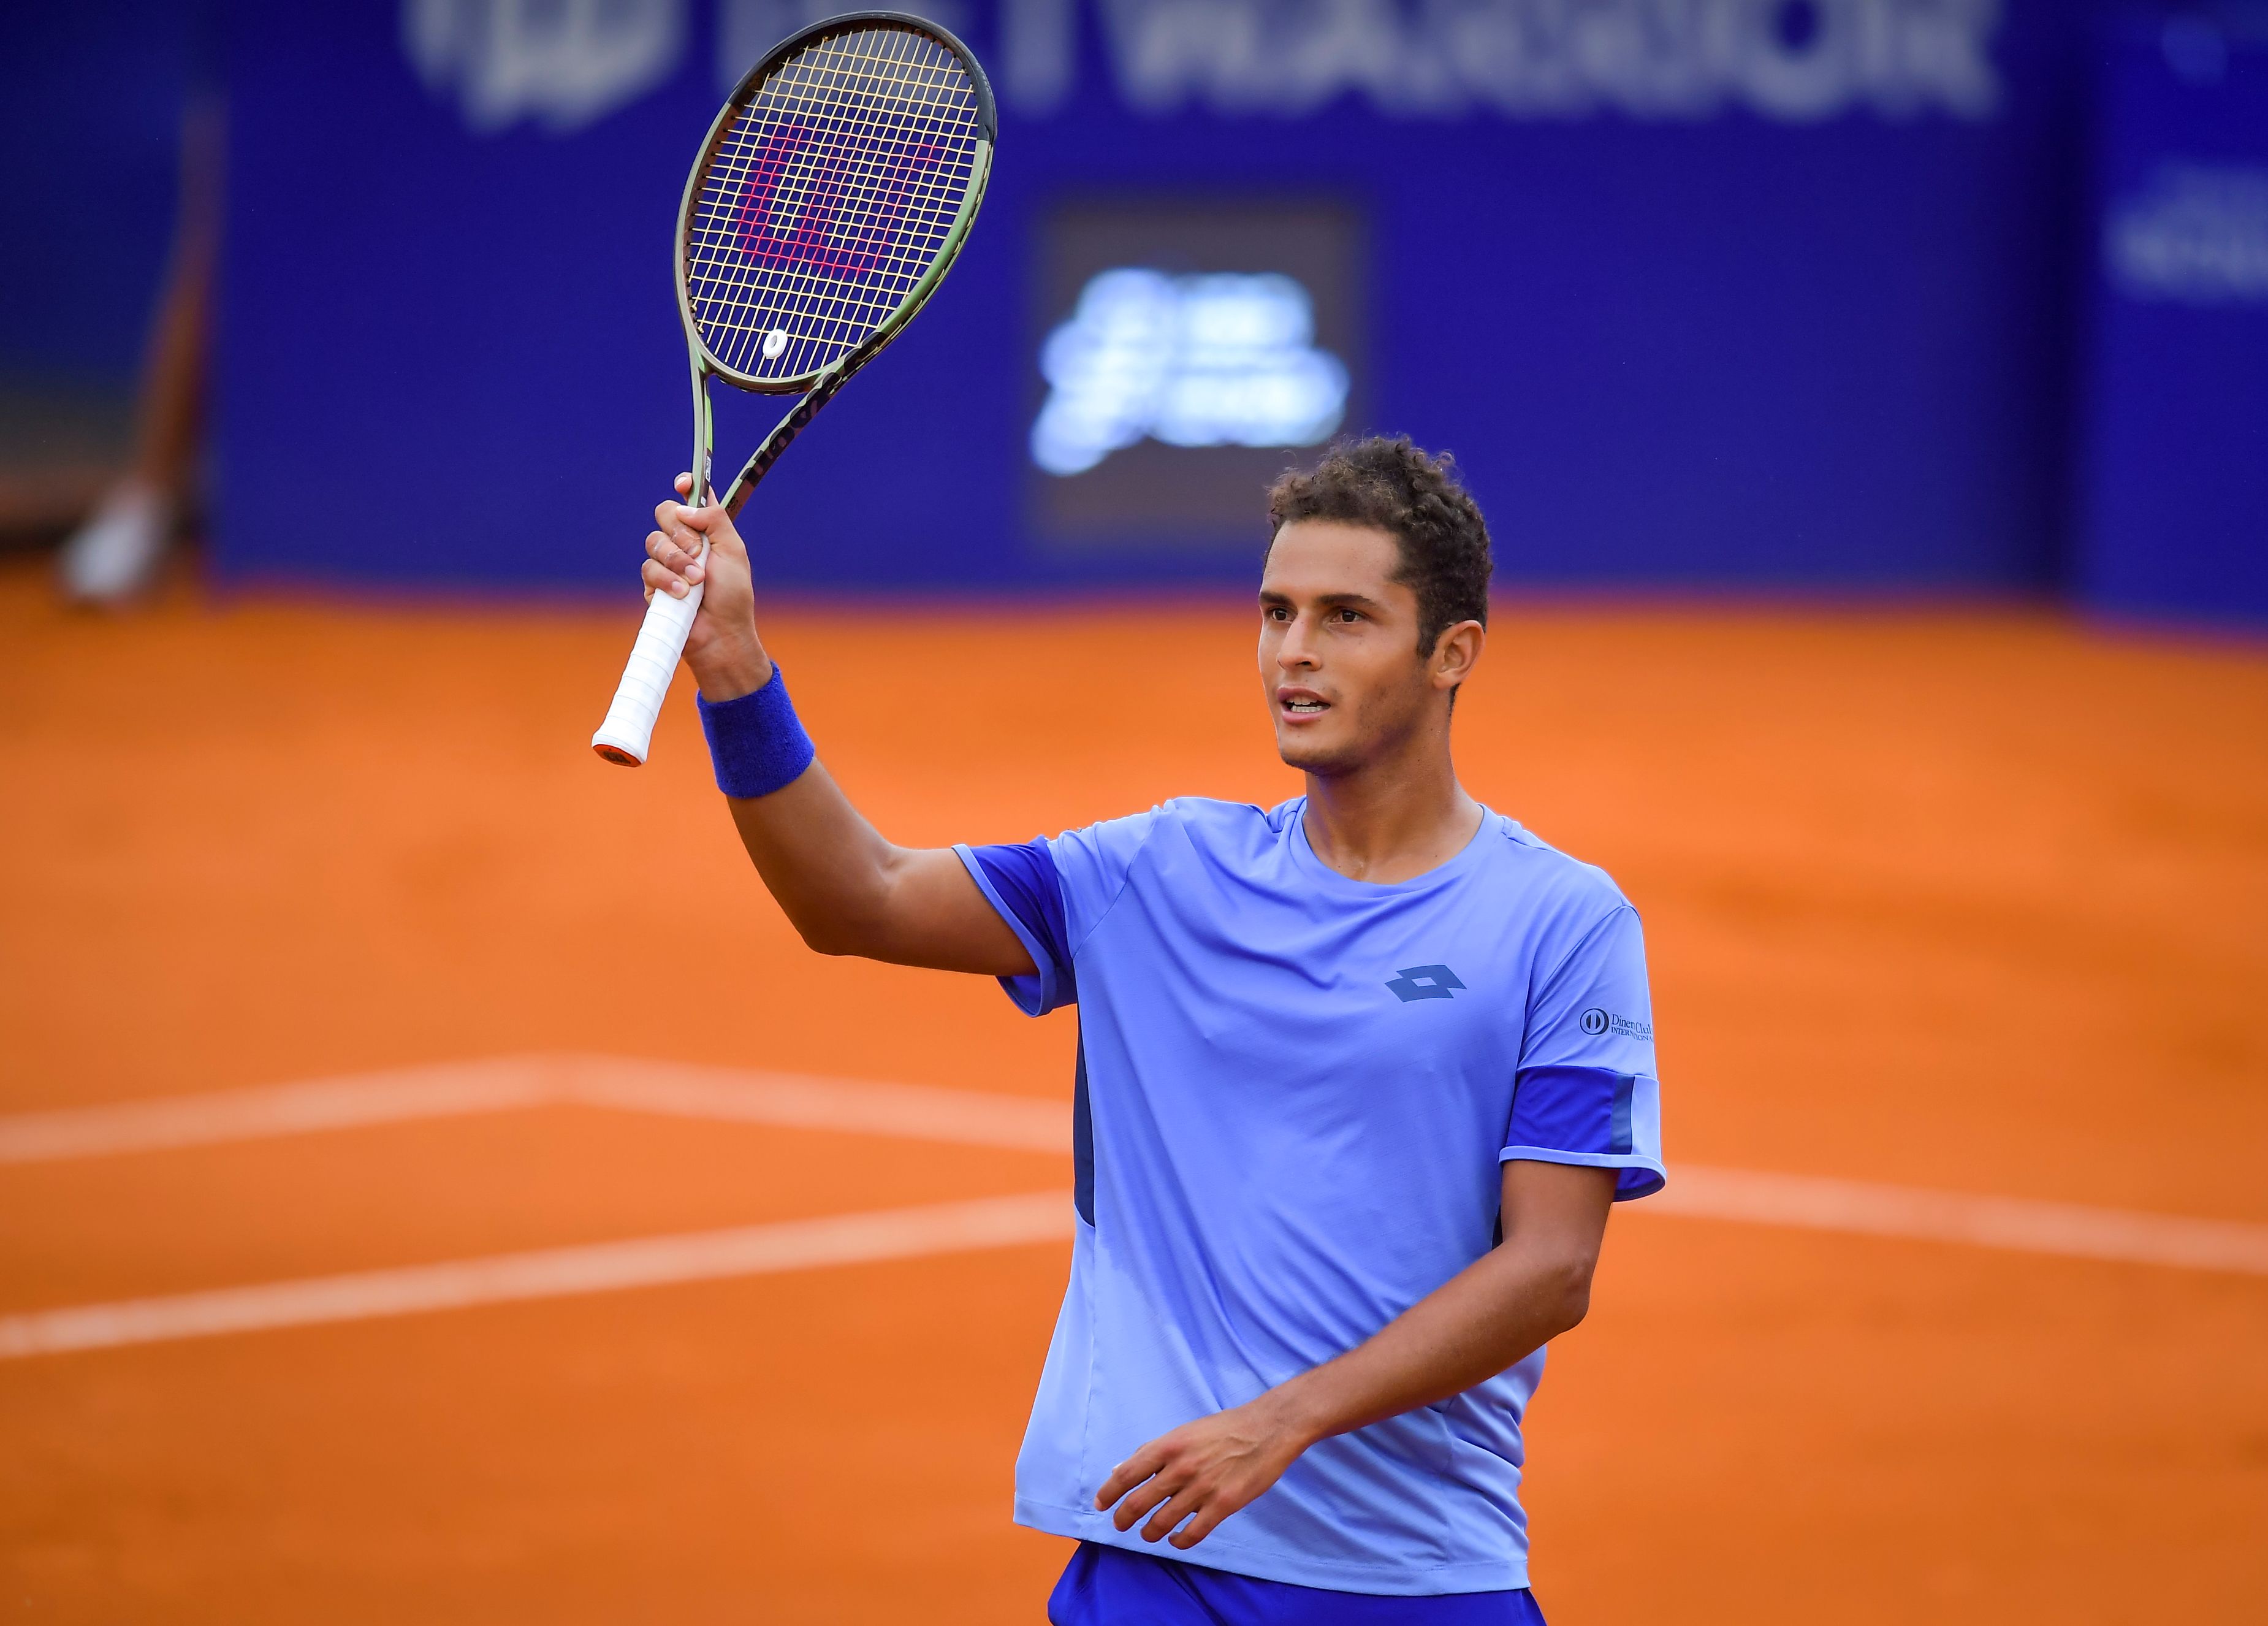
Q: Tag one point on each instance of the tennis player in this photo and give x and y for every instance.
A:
(1359, 1079)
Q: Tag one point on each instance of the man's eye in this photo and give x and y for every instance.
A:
(1349, 615)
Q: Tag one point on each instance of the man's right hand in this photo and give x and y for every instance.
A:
(723, 652)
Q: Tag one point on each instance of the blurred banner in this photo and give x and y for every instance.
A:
(1746, 291)
(2174, 508)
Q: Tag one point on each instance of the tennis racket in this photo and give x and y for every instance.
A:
(831, 196)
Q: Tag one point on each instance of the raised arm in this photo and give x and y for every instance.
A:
(846, 887)
(1490, 1316)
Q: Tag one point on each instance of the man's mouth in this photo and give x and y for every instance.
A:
(1298, 703)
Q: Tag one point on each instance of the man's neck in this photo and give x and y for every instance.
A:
(1393, 819)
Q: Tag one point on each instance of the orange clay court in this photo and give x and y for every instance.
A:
(1966, 901)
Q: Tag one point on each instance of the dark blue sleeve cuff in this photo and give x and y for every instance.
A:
(757, 742)
(1592, 1117)
(1021, 885)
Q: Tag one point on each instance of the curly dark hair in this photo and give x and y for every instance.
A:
(1415, 497)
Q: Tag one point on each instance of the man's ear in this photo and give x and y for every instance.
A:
(1456, 652)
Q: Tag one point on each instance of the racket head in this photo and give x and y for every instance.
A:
(832, 193)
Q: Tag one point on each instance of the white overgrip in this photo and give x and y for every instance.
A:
(625, 737)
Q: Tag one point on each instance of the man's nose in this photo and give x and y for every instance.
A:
(1293, 650)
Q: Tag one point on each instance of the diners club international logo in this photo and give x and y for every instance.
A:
(1598, 1020)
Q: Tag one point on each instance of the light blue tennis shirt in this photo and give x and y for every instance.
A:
(1295, 1091)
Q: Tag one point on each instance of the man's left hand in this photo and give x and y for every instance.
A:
(1204, 1471)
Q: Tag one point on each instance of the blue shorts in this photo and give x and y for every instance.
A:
(1107, 1586)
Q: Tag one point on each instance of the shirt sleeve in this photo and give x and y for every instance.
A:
(1021, 884)
(1094, 863)
(1053, 893)
(1586, 1091)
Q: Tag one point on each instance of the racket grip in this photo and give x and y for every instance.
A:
(623, 738)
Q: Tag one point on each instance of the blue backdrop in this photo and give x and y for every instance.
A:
(90, 128)
(1775, 297)
(2174, 512)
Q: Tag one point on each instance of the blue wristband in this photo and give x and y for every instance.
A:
(757, 741)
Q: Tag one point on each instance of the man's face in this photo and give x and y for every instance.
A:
(1338, 646)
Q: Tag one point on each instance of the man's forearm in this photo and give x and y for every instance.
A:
(847, 889)
(1491, 1316)
(830, 869)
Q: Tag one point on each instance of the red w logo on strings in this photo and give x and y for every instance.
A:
(834, 212)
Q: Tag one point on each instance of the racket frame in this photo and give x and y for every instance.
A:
(819, 386)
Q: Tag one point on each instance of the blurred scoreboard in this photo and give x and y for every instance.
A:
(1185, 353)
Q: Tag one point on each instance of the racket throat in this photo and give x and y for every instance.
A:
(704, 439)
(782, 436)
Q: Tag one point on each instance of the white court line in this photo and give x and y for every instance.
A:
(1913, 1214)
(400, 1096)
(510, 1083)
(548, 1272)
(795, 1100)
(976, 1118)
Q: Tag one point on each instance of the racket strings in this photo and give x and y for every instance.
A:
(892, 222)
(828, 199)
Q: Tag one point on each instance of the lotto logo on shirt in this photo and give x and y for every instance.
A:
(1424, 982)
(1597, 1021)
